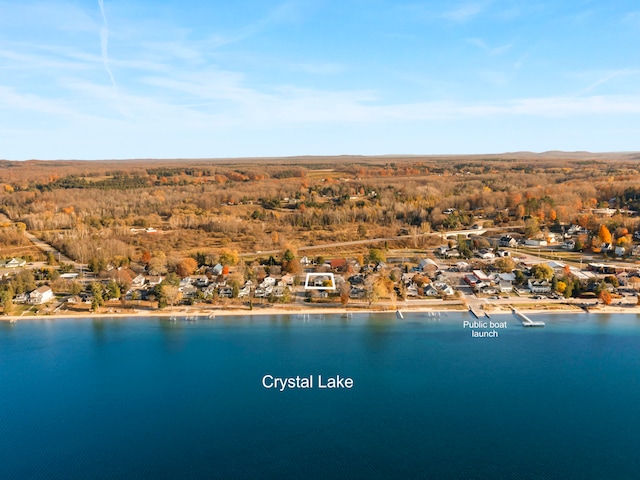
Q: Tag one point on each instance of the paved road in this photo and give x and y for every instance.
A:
(44, 246)
(450, 233)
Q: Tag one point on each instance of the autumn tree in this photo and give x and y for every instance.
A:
(345, 293)
(186, 267)
(158, 264)
(6, 298)
(229, 257)
(542, 271)
(376, 255)
(505, 264)
(531, 227)
(605, 297)
(604, 234)
(171, 294)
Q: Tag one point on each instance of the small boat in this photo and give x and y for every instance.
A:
(399, 315)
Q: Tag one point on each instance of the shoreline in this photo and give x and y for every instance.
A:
(237, 312)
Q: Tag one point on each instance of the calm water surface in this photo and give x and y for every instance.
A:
(121, 399)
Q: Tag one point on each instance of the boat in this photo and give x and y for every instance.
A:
(399, 315)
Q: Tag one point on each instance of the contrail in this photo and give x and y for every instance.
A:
(601, 81)
(104, 43)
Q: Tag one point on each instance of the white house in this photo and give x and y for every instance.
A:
(508, 241)
(14, 263)
(532, 242)
(486, 255)
(430, 291)
(539, 286)
(41, 295)
(268, 282)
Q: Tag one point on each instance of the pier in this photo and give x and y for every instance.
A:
(526, 321)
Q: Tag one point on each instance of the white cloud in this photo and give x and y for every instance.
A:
(464, 13)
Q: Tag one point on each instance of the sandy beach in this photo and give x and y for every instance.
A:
(214, 312)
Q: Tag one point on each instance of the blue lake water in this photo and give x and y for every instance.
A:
(122, 399)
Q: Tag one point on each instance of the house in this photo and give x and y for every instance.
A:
(412, 290)
(379, 266)
(569, 245)
(480, 275)
(539, 286)
(74, 299)
(430, 291)
(188, 290)
(508, 241)
(13, 263)
(225, 292)
(200, 281)
(154, 280)
(551, 238)
(505, 287)
(306, 261)
(463, 266)
(338, 264)
(506, 277)
(471, 280)
(486, 254)
(41, 295)
(607, 247)
(426, 263)
(487, 289)
(357, 292)
(138, 281)
(217, 270)
(446, 289)
(210, 290)
(288, 279)
(534, 242)
(21, 298)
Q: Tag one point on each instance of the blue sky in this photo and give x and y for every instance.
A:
(138, 79)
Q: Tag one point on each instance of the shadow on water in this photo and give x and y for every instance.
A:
(173, 335)
(377, 332)
(99, 330)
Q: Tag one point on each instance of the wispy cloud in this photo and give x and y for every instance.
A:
(464, 13)
(632, 18)
(491, 51)
(321, 68)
